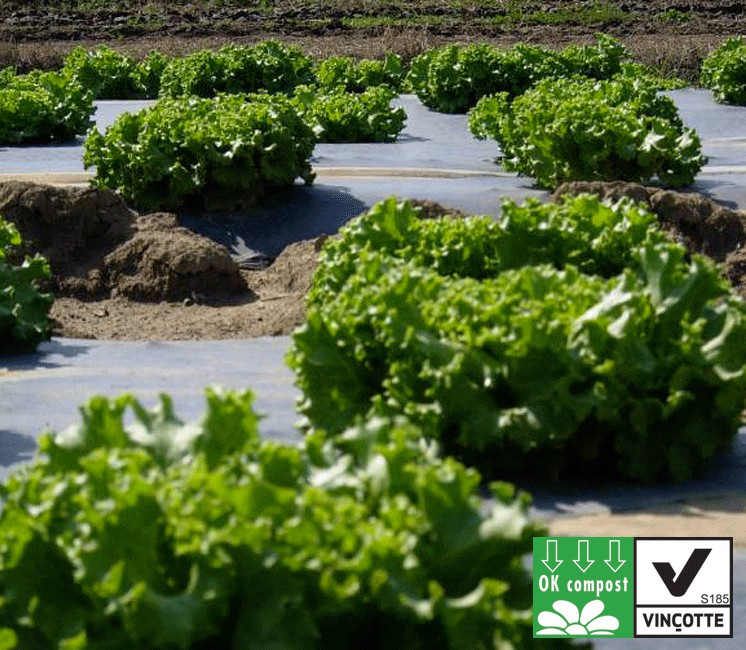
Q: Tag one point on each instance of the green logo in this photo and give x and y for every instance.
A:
(584, 587)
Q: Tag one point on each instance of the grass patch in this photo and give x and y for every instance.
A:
(423, 20)
(674, 16)
(512, 13)
(576, 13)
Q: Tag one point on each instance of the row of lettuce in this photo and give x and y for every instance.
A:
(569, 339)
(600, 119)
(46, 107)
(449, 78)
(56, 106)
(230, 151)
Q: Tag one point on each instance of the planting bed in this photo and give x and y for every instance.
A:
(659, 32)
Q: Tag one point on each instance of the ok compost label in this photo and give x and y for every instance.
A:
(626, 587)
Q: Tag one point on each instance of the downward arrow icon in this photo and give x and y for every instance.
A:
(615, 560)
(552, 562)
(584, 561)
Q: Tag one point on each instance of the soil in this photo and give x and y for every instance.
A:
(700, 224)
(119, 275)
(72, 227)
(45, 20)
(720, 517)
(97, 247)
(163, 261)
(674, 36)
(273, 304)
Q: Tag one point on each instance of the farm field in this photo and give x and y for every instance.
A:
(315, 316)
(674, 36)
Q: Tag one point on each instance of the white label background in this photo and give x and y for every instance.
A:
(713, 577)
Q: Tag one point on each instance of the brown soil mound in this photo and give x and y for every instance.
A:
(275, 305)
(292, 270)
(735, 270)
(165, 261)
(700, 224)
(98, 248)
(73, 228)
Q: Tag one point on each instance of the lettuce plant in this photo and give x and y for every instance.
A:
(634, 368)
(358, 76)
(339, 116)
(598, 237)
(575, 129)
(104, 71)
(133, 529)
(266, 67)
(42, 107)
(452, 79)
(724, 71)
(24, 310)
(224, 152)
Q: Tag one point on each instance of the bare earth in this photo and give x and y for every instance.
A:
(274, 304)
(716, 517)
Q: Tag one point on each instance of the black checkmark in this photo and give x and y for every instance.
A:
(679, 585)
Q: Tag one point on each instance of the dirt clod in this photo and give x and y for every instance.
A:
(292, 270)
(163, 261)
(734, 269)
(433, 210)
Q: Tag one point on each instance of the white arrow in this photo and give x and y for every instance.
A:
(552, 562)
(615, 564)
(583, 552)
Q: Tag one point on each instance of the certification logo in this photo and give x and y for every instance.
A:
(632, 587)
(583, 587)
(684, 587)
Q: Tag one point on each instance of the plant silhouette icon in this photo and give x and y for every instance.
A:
(567, 619)
(679, 585)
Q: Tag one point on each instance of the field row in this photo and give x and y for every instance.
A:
(242, 123)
